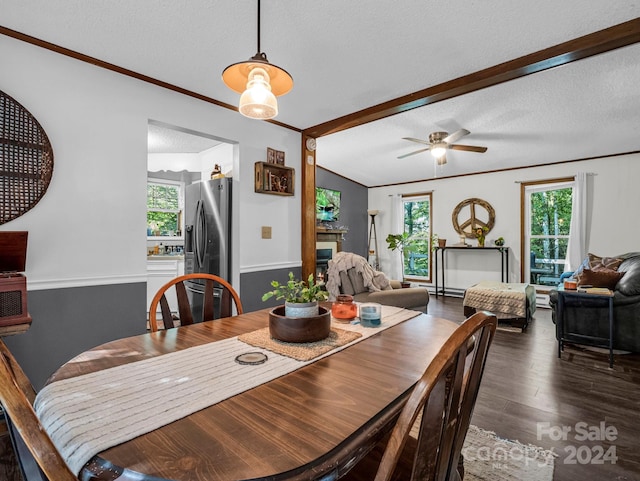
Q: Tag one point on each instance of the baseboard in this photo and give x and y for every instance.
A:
(542, 300)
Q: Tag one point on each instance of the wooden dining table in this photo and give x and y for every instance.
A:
(311, 424)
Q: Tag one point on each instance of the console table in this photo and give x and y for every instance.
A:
(504, 262)
(570, 296)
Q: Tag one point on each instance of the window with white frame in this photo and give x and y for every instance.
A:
(416, 214)
(164, 208)
(547, 207)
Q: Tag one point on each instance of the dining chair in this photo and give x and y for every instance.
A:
(37, 455)
(441, 405)
(219, 298)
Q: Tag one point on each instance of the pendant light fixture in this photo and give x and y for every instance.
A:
(259, 82)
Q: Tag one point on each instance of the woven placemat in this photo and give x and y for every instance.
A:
(303, 351)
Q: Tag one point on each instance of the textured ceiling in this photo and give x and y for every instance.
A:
(347, 56)
(166, 140)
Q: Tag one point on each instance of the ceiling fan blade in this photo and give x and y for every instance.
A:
(413, 153)
(468, 148)
(420, 141)
(458, 134)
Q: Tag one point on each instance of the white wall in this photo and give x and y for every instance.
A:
(89, 227)
(612, 225)
(221, 155)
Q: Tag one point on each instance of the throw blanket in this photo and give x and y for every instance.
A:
(506, 301)
(343, 261)
(87, 414)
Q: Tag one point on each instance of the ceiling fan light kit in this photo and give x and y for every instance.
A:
(438, 145)
(440, 142)
(259, 82)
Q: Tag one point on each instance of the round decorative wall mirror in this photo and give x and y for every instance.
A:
(26, 160)
(471, 214)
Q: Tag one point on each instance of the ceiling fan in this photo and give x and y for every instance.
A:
(439, 142)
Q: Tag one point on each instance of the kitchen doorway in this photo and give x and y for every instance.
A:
(176, 158)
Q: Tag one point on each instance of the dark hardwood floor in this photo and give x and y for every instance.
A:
(528, 394)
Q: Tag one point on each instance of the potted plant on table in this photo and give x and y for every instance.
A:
(301, 298)
(480, 234)
(437, 242)
(301, 319)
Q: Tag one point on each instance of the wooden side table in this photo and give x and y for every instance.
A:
(567, 295)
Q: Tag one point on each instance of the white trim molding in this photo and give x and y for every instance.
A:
(45, 284)
(270, 267)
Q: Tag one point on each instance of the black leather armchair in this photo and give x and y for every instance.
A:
(590, 316)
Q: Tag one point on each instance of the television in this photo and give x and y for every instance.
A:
(327, 204)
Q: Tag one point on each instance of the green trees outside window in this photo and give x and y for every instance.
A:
(164, 210)
(417, 225)
(549, 227)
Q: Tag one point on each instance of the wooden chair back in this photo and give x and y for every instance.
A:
(441, 403)
(17, 396)
(214, 306)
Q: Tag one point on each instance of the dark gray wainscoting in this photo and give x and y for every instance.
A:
(69, 321)
(254, 284)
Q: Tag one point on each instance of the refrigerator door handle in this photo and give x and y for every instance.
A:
(200, 234)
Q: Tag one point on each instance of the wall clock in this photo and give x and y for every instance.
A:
(26, 160)
(311, 144)
(471, 214)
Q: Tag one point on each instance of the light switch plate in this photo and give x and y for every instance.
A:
(266, 232)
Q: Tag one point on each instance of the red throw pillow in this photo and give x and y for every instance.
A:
(600, 278)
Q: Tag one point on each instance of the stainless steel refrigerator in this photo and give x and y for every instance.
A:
(207, 236)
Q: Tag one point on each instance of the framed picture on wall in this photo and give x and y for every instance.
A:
(271, 155)
(279, 157)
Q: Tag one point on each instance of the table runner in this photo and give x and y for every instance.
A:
(88, 414)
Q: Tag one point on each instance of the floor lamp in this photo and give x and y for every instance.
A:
(375, 263)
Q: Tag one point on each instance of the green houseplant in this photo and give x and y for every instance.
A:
(301, 297)
(397, 241)
(437, 242)
(400, 242)
(480, 233)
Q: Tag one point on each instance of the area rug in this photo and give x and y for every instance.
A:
(488, 457)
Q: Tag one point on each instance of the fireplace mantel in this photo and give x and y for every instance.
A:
(330, 235)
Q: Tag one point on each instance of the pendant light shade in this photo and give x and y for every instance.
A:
(258, 101)
(259, 82)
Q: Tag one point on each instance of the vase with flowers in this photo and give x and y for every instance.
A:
(481, 233)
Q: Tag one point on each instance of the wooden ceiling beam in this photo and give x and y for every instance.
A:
(611, 38)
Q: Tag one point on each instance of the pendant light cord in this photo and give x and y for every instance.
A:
(259, 26)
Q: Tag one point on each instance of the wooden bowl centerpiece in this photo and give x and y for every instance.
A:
(299, 329)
